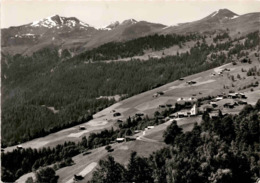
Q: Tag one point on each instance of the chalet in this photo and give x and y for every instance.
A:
(130, 138)
(169, 105)
(242, 102)
(117, 114)
(120, 140)
(139, 114)
(213, 115)
(82, 128)
(218, 98)
(241, 95)
(182, 114)
(226, 105)
(136, 131)
(120, 121)
(155, 95)
(232, 95)
(160, 93)
(78, 177)
(207, 108)
(230, 105)
(191, 82)
(173, 116)
(214, 104)
(19, 147)
(161, 106)
(180, 99)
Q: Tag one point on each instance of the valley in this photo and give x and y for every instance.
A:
(93, 104)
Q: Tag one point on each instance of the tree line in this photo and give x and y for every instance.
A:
(224, 149)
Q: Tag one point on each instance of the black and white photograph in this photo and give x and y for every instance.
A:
(130, 91)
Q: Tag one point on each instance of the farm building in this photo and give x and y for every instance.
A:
(130, 138)
(232, 95)
(120, 140)
(117, 114)
(82, 127)
(182, 114)
(191, 82)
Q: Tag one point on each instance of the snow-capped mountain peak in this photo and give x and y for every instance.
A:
(129, 21)
(224, 13)
(57, 21)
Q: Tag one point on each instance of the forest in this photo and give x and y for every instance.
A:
(118, 50)
(19, 162)
(31, 84)
(222, 150)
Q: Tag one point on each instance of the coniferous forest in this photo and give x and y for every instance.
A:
(223, 150)
(72, 86)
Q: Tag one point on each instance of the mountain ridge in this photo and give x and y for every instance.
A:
(77, 36)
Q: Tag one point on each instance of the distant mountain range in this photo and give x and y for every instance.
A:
(72, 34)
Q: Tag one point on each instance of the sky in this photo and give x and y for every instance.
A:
(100, 13)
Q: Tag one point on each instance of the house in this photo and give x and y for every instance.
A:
(136, 131)
(180, 99)
(120, 140)
(161, 106)
(139, 114)
(213, 115)
(229, 105)
(232, 95)
(117, 114)
(82, 128)
(242, 102)
(191, 82)
(155, 95)
(169, 105)
(150, 127)
(120, 121)
(218, 98)
(226, 105)
(160, 93)
(19, 147)
(181, 79)
(182, 114)
(173, 116)
(214, 104)
(241, 95)
(130, 138)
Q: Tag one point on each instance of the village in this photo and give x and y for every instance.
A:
(187, 98)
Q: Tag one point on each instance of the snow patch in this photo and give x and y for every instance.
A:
(235, 16)
(83, 24)
(216, 12)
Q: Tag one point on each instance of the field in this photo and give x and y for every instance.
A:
(206, 84)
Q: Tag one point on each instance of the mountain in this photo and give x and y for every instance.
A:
(53, 30)
(127, 30)
(76, 36)
(219, 21)
(70, 33)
